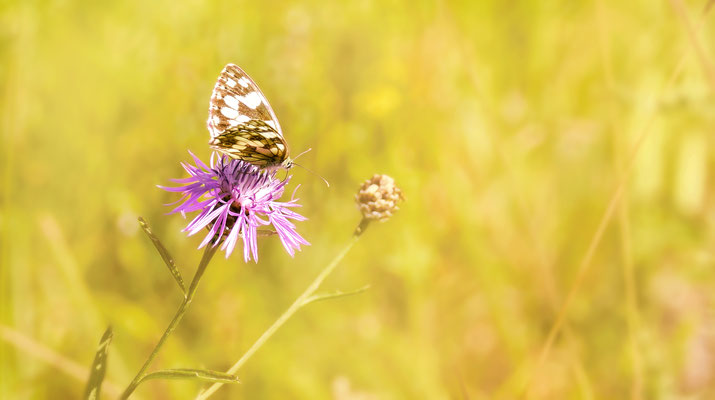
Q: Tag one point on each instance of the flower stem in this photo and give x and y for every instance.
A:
(302, 300)
(188, 298)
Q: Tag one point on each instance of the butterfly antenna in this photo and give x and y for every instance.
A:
(312, 172)
(296, 157)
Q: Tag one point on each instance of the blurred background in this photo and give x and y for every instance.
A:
(509, 127)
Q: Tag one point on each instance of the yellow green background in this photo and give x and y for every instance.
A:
(509, 126)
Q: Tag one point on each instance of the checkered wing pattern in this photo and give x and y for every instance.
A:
(242, 123)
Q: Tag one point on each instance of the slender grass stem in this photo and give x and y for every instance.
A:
(613, 203)
(188, 298)
(302, 300)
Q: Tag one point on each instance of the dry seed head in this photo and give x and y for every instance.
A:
(378, 198)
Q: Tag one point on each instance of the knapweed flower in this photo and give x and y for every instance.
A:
(235, 198)
(378, 197)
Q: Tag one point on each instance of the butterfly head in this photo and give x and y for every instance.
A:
(287, 163)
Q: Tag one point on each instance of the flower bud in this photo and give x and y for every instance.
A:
(378, 197)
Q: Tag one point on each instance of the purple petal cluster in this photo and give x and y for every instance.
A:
(234, 199)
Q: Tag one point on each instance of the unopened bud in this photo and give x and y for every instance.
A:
(378, 198)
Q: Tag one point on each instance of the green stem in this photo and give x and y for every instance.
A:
(297, 305)
(188, 298)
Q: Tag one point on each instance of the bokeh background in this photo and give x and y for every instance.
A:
(508, 125)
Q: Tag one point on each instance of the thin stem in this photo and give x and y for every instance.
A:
(69, 367)
(297, 305)
(205, 259)
(603, 224)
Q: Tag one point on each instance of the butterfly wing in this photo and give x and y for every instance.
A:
(254, 141)
(242, 123)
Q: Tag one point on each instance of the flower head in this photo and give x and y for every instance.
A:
(235, 198)
(378, 197)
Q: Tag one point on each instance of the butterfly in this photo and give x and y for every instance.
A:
(242, 124)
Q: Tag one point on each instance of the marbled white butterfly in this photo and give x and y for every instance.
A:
(242, 123)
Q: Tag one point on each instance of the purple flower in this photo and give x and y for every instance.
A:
(235, 198)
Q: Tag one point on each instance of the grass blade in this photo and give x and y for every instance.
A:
(168, 260)
(186, 373)
(99, 367)
(334, 295)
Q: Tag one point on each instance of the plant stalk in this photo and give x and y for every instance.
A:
(188, 298)
(297, 305)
